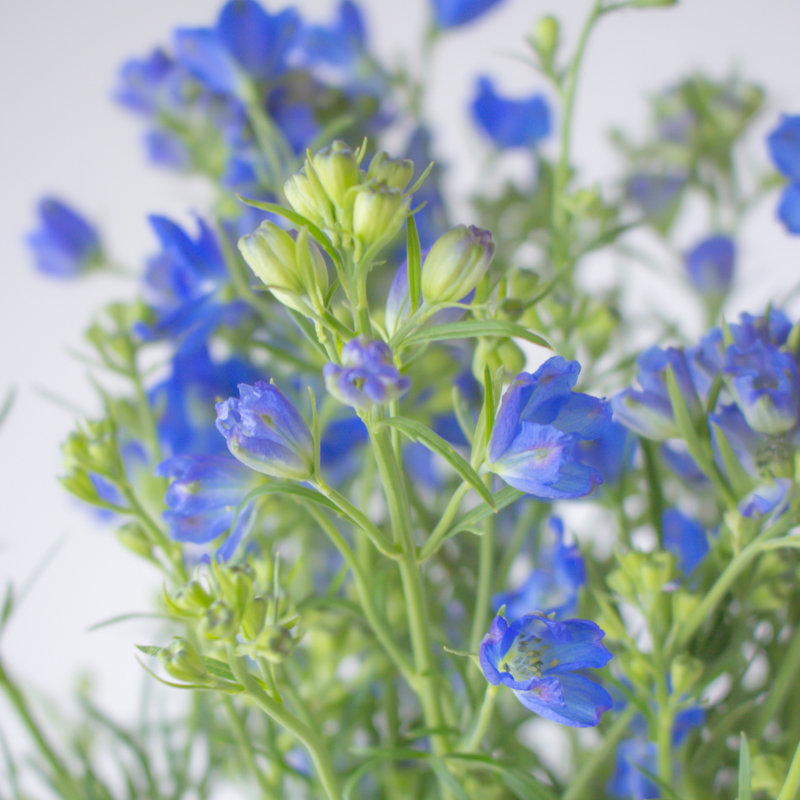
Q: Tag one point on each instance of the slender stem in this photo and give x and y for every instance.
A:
(599, 758)
(246, 748)
(792, 782)
(483, 595)
(437, 534)
(473, 743)
(782, 684)
(654, 494)
(308, 738)
(664, 714)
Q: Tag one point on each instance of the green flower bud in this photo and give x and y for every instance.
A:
(307, 197)
(183, 662)
(456, 263)
(219, 621)
(544, 39)
(394, 172)
(504, 353)
(276, 643)
(235, 585)
(191, 599)
(254, 617)
(767, 774)
(683, 604)
(337, 170)
(378, 212)
(134, 538)
(293, 270)
(684, 672)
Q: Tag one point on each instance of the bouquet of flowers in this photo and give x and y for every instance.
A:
(435, 518)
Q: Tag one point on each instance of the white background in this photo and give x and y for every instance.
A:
(62, 134)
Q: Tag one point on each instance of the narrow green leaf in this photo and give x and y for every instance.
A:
(315, 435)
(12, 393)
(741, 482)
(488, 402)
(8, 605)
(285, 487)
(418, 432)
(745, 784)
(308, 330)
(419, 181)
(727, 336)
(414, 263)
(300, 221)
(461, 410)
(522, 783)
(446, 778)
(472, 328)
(683, 420)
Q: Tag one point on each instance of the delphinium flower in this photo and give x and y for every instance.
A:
(784, 147)
(367, 376)
(709, 265)
(184, 284)
(536, 657)
(552, 587)
(510, 123)
(685, 538)
(611, 453)
(452, 13)
(65, 244)
(533, 446)
(265, 432)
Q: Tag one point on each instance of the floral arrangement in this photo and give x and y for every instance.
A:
(351, 433)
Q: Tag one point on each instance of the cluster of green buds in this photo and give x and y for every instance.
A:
(235, 606)
(91, 452)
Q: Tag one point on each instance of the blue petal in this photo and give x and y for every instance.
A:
(451, 13)
(710, 265)
(789, 208)
(685, 539)
(510, 123)
(202, 53)
(784, 146)
(584, 702)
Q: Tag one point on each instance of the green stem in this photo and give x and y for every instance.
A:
(654, 494)
(473, 743)
(792, 782)
(782, 684)
(664, 714)
(437, 534)
(246, 748)
(599, 758)
(428, 688)
(379, 626)
(483, 595)
(307, 737)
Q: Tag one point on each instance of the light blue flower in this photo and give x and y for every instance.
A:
(452, 13)
(768, 497)
(510, 123)
(710, 265)
(784, 147)
(685, 539)
(65, 244)
(536, 657)
(367, 376)
(539, 423)
(265, 432)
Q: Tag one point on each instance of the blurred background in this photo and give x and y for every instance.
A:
(62, 134)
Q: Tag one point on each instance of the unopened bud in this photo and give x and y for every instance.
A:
(337, 170)
(183, 662)
(254, 617)
(191, 599)
(504, 354)
(219, 621)
(134, 538)
(378, 212)
(544, 39)
(307, 197)
(394, 172)
(276, 643)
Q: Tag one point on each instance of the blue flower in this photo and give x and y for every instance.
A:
(246, 43)
(710, 265)
(789, 208)
(784, 147)
(142, 82)
(611, 453)
(649, 412)
(764, 382)
(629, 783)
(452, 13)
(533, 441)
(66, 244)
(341, 44)
(203, 498)
(536, 658)
(340, 446)
(655, 194)
(510, 123)
(685, 539)
(266, 432)
(184, 403)
(368, 375)
(765, 499)
(553, 586)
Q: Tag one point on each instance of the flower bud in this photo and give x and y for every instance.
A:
(183, 662)
(394, 172)
(337, 170)
(455, 264)
(504, 354)
(544, 39)
(254, 617)
(276, 643)
(134, 538)
(378, 212)
(684, 672)
(291, 269)
(307, 197)
(191, 599)
(219, 621)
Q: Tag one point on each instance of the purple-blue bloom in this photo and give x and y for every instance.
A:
(451, 13)
(655, 194)
(784, 146)
(553, 586)
(629, 783)
(65, 244)
(539, 423)
(611, 453)
(765, 498)
(685, 539)
(368, 375)
(510, 123)
(265, 432)
(710, 265)
(536, 657)
(202, 499)
(789, 208)
(343, 43)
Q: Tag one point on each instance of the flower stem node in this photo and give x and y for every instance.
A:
(292, 268)
(182, 661)
(456, 263)
(394, 172)
(265, 432)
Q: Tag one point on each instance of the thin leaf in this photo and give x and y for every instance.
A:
(124, 618)
(522, 783)
(446, 778)
(745, 784)
(300, 221)
(741, 482)
(488, 402)
(419, 181)
(418, 432)
(285, 487)
(472, 328)
(414, 262)
(461, 410)
(9, 401)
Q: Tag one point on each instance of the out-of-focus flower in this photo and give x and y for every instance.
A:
(765, 499)
(685, 539)
(452, 13)
(266, 432)
(710, 266)
(533, 441)
(65, 244)
(784, 147)
(536, 657)
(553, 586)
(510, 123)
(367, 377)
